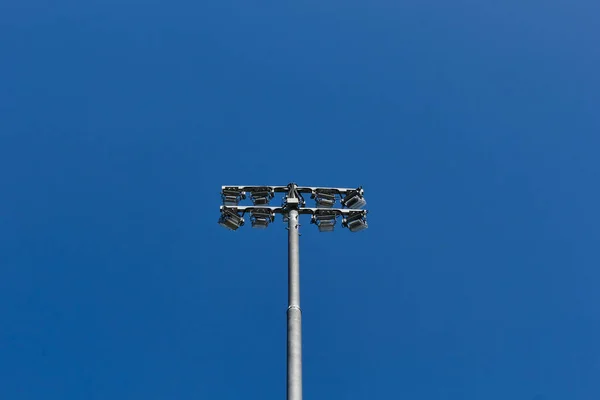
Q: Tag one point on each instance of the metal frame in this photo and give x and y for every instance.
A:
(301, 210)
(294, 206)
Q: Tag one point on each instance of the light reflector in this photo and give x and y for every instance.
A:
(261, 218)
(324, 198)
(354, 199)
(356, 222)
(261, 196)
(232, 196)
(325, 220)
(230, 219)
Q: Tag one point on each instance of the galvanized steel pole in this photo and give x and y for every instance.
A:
(294, 314)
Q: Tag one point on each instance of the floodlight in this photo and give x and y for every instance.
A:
(325, 220)
(232, 196)
(356, 222)
(230, 219)
(354, 199)
(261, 218)
(261, 196)
(324, 198)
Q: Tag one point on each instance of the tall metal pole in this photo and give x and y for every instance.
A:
(294, 314)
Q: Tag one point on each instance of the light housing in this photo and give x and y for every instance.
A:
(324, 198)
(354, 199)
(356, 222)
(325, 220)
(230, 219)
(261, 196)
(261, 218)
(231, 196)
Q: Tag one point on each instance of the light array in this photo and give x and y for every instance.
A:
(324, 215)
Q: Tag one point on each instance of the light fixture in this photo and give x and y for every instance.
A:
(356, 221)
(354, 199)
(261, 196)
(231, 196)
(230, 219)
(261, 218)
(325, 220)
(324, 198)
(293, 208)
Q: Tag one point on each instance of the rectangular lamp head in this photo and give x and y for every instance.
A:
(261, 218)
(324, 198)
(325, 220)
(354, 199)
(356, 222)
(231, 220)
(326, 226)
(232, 196)
(261, 196)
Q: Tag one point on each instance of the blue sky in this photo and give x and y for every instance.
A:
(473, 127)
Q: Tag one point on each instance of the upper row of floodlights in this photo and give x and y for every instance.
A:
(324, 197)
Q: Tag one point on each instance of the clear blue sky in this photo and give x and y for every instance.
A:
(472, 125)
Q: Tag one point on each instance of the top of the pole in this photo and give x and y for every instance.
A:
(293, 199)
(324, 215)
(292, 190)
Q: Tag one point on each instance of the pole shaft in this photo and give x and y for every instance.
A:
(294, 314)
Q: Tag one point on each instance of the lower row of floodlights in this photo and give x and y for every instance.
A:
(325, 220)
(324, 198)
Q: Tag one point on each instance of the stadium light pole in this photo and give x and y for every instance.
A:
(324, 216)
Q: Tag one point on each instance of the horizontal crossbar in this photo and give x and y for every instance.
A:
(301, 210)
(285, 189)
